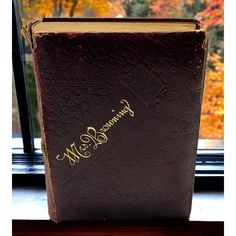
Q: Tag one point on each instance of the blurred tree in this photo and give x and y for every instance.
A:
(213, 14)
(166, 8)
(212, 118)
(136, 8)
(34, 9)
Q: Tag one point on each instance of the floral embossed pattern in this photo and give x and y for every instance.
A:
(78, 72)
(144, 84)
(146, 166)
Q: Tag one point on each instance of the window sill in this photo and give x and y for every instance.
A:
(30, 217)
(206, 205)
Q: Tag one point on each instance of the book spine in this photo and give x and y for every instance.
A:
(26, 31)
(205, 47)
(48, 178)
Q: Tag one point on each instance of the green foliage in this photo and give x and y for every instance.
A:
(190, 11)
(136, 8)
(33, 99)
(216, 40)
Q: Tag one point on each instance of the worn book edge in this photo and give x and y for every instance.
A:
(48, 178)
(205, 46)
(27, 29)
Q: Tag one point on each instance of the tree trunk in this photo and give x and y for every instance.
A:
(60, 8)
(72, 10)
(55, 8)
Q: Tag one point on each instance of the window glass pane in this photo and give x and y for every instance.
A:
(16, 130)
(28, 67)
(209, 11)
(32, 94)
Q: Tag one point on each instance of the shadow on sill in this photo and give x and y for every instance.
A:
(29, 193)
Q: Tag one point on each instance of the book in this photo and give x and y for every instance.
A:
(120, 103)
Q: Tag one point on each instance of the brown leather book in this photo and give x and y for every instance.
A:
(120, 103)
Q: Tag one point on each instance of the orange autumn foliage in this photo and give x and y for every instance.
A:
(71, 8)
(212, 118)
(166, 8)
(213, 14)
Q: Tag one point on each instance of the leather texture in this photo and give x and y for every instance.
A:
(145, 168)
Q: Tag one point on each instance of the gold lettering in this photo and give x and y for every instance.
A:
(120, 114)
(105, 128)
(92, 135)
(72, 154)
(114, 119)
(127, 107)
(92, 138)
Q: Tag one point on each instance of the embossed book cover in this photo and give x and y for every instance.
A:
(120, 103)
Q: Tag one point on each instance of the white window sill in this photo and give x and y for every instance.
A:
(30, 203)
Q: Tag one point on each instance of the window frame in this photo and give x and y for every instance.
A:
(21, 84)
